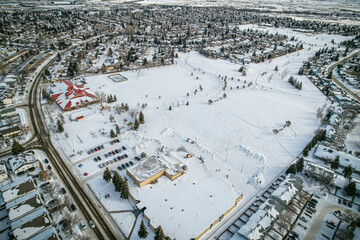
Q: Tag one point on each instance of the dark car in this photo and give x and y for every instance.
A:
(137, 158)
(89, 152)
(49, 167)
(72, 207)
(98, 147)
(46, 161)
(63, 191)
(92, 150)
(102, 146)
(131, 163)
(119, 168)
(123, 166)
(125, 155)
(127, 164)
(124, 148)
(95, 159)
(117, 151)
(122, 156)
(117, 140)
(98, 158)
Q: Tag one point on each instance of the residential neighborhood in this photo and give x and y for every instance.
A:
(179, 119)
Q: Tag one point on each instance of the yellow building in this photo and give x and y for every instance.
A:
(151, 169)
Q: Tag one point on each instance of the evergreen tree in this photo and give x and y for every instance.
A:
(350, 189)
(136, 125)
(301, 71)
(335, 164)
(170, 108)
(300, 165)
(107, 175)
(187, 103)
(348, 171)
(115, 179)
(115, 99)
(117, 129)
(291, 169)
(112, 133)
(276, 68)
(125, 190)
(159, 233)
(60, 126)
(119, 184)
(142, 233)
(141, 118)
(17, 148)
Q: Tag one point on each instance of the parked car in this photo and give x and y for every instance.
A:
(85, 174)
(137, 158)
(124, 148)
(122, 156)
(98, 147)
(123, 166)
(46, 161)
(117, 151)
(95, 149)
(95, 159)
(117, 140)
(91, 223)
(314, 200)
(62, 190)
(119, 168)
(102, 146)
(49, 167)
(44, 185)
(119, 158)
(127, 165)
(125, 155)
(131, 163)
(113, 153)
(303, 219)
(330, 222)
(82, 225)
(98, 158)
(72, 207)
(80, 165)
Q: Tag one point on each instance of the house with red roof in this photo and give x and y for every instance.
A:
(69, 96)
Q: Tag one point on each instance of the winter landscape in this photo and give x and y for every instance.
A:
(180, 120)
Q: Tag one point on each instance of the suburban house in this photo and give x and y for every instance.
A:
(69, 96)
(8, 112)
(10, 132)
(20, 164)
(262, 220)
(18, 189)
(319, 172)
(28, 218)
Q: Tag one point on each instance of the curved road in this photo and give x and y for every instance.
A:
(329, 72)
(104, 228)
(315, 227)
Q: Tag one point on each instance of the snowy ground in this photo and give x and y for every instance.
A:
(234, 134)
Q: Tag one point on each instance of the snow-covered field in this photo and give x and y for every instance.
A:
(234, 135)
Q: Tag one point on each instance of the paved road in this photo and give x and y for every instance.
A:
(313, 231)
(104, 228)
(329, 72)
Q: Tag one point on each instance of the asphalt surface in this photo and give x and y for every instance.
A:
(85, 203)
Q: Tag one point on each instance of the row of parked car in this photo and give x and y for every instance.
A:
(116, 151)
(125, 165)
(115, 159)
(95, 149)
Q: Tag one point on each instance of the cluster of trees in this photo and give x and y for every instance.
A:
(46, 95)
(121, 186)
(140, 121)
(73, 68)
(122, 108)
(296, 167)
(17, 148)
(113, 134)
(60, 126)
(320, 136)
(297, 84)
(111, 98)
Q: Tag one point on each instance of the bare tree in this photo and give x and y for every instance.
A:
(133, 113)
(100, 96)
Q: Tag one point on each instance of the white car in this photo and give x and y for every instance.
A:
(91, 223)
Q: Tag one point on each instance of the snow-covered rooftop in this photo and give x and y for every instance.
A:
(18, 191)
(146, 169)
(24, 208)
(68, 95)
(323, 152)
